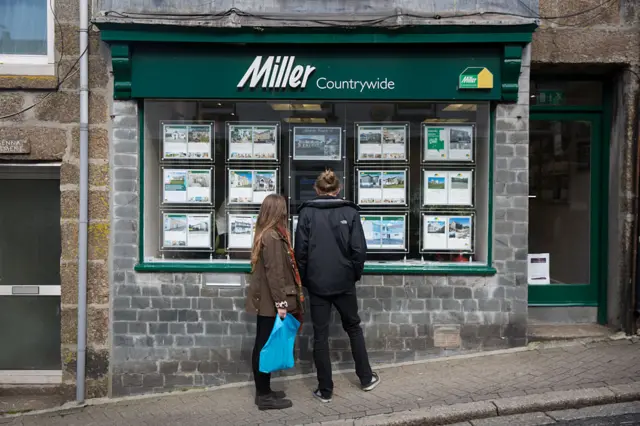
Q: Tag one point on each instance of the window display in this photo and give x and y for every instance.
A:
(420, 175)
(381, 142)
(187, 141)
(253, 142)
(187, 186)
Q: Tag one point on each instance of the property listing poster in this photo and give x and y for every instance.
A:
(241, 230)
(294, 227)
(187, 186)
(448, 188)
(251, 186)
(186, 230)
(448, 143)
(447, 232)
(187, 141)
(384, 232)
(382, 142)
(317, 143)
(253, 142)
(377, 187)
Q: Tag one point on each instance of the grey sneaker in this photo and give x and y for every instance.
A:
(322, 396)
(375, 381)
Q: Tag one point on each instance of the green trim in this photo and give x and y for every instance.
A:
(118, 33)
(607, 115)
(511, 67)
(121, 63)
(565, 108)
(370, 268)
(492, 143)
(141, 180)
(582, 294)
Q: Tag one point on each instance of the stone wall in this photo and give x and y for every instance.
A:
(173, 331)
(52, 127)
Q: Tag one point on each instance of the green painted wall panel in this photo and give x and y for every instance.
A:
(357, 72)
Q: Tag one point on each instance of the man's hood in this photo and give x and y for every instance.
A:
(328, 202)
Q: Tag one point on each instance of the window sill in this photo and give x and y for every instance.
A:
(390, 268)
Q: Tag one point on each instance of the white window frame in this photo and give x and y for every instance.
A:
(34, 64)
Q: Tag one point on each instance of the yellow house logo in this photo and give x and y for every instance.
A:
(476, 78)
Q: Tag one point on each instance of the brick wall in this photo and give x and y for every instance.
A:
(172, 331)
(52, 127)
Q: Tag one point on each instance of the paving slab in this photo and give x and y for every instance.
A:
(416, 386)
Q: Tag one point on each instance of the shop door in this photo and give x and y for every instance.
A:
(566, 207)
(29, 273)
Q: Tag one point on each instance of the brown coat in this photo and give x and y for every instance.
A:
(272, 279)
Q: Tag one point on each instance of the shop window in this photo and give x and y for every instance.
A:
(419, 172)
(27, 37)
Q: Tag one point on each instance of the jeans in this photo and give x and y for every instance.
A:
(262, 380)
(347, 306)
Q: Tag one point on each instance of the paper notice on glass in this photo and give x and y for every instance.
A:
(538, 269)
(392, 232)
(199, 230)
(199, 146)
(434, 232)
(199, 189)
(370, 187)
(435, 188)
(294, 226)
(436, 141)
(394, 190)
(240, 186)
(174, 141)
(460, 188)
(175, 230)
(369, 143)
(241, 229)
(175, 186)
(394, 139)
(459, 233)
(240, 142)
(371, 226)
(461, 143)
(264, 142)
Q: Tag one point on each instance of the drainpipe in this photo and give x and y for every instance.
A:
(84, 201)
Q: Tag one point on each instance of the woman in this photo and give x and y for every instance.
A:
(275, 289)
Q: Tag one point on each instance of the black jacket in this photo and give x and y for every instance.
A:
(330, 245)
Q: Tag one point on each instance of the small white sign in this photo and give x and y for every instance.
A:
(538, 269)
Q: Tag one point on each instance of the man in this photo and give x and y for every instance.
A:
(330, 249)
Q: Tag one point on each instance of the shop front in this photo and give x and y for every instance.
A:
(428, 131)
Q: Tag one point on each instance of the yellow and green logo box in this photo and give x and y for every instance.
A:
(476, 78)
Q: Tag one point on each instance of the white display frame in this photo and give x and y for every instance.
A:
(447, 175)
(294, 226)
(163, 237)
(163, 190)
(405, 248)
(297, 157)
(165, 128)
(275, 127)
(357, 142)
(254, 171)
(253, 217)
(357, 188)
(446, 154)
(446, 217)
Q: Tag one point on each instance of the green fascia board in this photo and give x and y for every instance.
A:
(368, 269)
(125, 33)
(563, 295)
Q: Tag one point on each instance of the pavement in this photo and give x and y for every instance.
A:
(540, 378)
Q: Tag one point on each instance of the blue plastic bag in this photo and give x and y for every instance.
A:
(277, 353)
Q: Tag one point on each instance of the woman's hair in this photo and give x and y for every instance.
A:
(273, 213)
(327, 182)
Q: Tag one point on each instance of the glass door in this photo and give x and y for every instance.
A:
(566, 207)
(29, 268)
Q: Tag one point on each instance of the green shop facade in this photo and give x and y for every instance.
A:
(428, 129)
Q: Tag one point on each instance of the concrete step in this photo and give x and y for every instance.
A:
(550, 332)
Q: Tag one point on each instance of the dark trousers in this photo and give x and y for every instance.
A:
(347, 306)
(262, 380)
